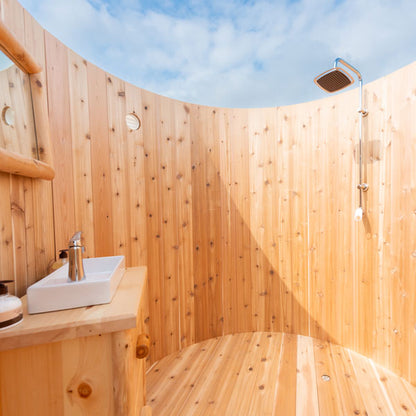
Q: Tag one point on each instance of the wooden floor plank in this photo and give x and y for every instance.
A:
(262, 400)
(328, 394)
(225, 376)
(274, 374)
(399, 397)
(246, 380)
(285, 391)
(306, 388)
(348, 386)
(173, 388)
(372, 393)
(161, 369)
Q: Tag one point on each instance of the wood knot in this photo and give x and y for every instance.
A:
(142, 346)
(84, 390)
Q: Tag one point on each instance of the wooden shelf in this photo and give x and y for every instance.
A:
(119, 315)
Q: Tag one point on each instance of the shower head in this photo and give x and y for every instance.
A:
(334, 80)
(337, 79)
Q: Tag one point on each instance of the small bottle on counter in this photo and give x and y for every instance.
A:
(62, 259)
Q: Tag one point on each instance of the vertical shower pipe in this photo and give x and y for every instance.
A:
(363, 187)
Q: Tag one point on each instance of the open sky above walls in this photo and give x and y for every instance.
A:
(233, 53)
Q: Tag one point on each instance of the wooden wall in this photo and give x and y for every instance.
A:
(245, 217)
(26, 216)
(19, 137)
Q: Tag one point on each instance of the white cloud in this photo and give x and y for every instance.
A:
(234, 53)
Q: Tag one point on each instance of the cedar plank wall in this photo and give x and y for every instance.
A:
(26, 218)
(244, 217)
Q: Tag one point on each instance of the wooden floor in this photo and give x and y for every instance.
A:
(274, 374)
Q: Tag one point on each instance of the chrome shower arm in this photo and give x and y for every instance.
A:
(345, 63)
(360, 80)
(333, 84)
(363, 187)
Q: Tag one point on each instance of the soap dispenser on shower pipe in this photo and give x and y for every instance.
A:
(336, 79)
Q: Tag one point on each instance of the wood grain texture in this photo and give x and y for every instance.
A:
(78, 362)
(100, 161)
(244, 216)
(60, 128)
(120, 314)
(27, 239)
(15, 93)
(17, 164)
(16, 51)
(274, 374)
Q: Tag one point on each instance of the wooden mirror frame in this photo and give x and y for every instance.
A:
(16, 163)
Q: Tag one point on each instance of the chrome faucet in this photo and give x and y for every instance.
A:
(76, 267)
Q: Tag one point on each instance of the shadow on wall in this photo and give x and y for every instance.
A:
(240, 261)
(267, 296)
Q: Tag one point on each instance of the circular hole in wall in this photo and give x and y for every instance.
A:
(7, 116)
(132, 121)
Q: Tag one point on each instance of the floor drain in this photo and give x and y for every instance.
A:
(325, 377)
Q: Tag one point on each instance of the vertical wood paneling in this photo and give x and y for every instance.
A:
(184, 224)
(199, 221)
(291, 221)
(263, 263)
(8, 139)
(403, 241)
(118, 167)
(81, 151)
(299, 223)
(12, 14)
(150, 127)
(21, 102)
(206, 223)
(225, 203)
(6, 232)
(100, 161)
(60, 128)
(35, 42)
(135, 158)
(40, 222)
(374, 288)
(240, 221)
(32, 272)
(169, 224)
(244, 217)
(18, 208)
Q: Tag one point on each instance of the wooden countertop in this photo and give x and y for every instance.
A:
(119, 315)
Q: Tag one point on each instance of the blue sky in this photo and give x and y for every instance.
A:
(233, 53)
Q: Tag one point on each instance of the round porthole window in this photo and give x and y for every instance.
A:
(8, 116)
(132, 121)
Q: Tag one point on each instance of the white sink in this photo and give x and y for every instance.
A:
(55, 291)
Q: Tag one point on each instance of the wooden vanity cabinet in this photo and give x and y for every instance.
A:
(80, 361)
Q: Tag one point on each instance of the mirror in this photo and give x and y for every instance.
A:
(17, 127)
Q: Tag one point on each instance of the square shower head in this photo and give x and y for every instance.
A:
(334, 80)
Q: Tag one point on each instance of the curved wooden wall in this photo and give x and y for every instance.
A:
(26, 207)
(245, 217)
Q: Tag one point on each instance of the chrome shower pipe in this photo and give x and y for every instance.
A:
(363, 187)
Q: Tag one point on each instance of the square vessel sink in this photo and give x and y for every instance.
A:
(55, 291)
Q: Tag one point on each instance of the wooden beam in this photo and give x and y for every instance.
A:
(17, 52)
(17, 164)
